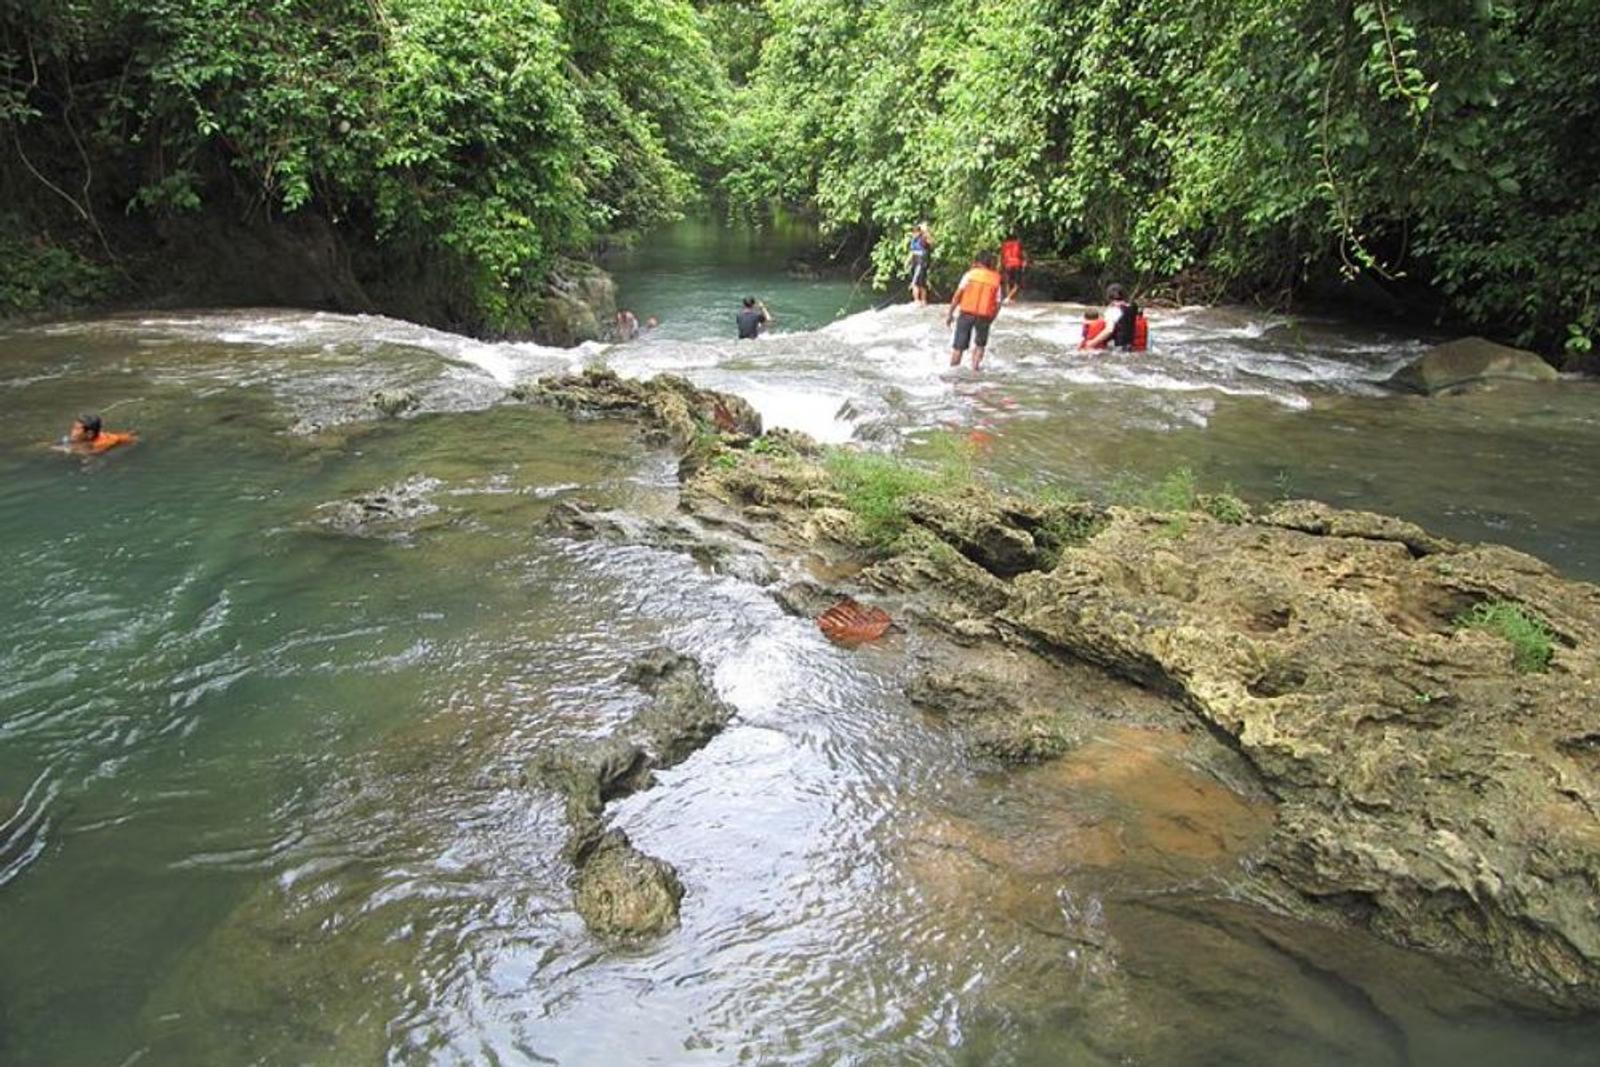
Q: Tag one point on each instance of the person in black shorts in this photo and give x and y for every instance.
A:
(977, 301)
(920, 255)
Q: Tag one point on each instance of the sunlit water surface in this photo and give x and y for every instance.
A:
(261, 794)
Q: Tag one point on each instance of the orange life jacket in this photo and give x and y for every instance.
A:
(1011, 256)
(1141, 334)
(980, 295)
(1092, 328)
(105, 441)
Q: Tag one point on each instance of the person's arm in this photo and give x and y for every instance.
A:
(955, 301)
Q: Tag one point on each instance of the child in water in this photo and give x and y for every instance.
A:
(1091, 326)
(87, 435)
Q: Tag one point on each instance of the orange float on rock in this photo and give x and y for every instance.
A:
(850, 623)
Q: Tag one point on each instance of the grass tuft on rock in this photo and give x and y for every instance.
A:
(876, 487)
(1532, 641)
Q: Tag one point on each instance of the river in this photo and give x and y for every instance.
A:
(261, 791)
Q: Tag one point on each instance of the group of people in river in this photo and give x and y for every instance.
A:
(627, 327)
(987, 286)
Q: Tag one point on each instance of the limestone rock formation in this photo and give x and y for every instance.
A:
(673, 410)
(623, 893)
(1425, 788)
(620, 891)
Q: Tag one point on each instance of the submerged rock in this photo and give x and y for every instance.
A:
(393, 403)
(1469, 361)
(397, 509)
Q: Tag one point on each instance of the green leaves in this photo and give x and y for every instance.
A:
(485, 134)
(1258, 142)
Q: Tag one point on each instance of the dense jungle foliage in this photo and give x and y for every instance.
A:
(1238, 146)
(1219, 148)
(490, 135)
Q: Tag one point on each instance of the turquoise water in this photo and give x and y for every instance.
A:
(693, 277)
(261, 777)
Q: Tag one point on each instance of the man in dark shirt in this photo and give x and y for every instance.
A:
(753, 318)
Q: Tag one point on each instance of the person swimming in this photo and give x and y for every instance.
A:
(88, 435)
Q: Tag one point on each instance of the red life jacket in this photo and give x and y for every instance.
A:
(1011, 257)
(1141, 334)
(980, 293)
(1092, 328)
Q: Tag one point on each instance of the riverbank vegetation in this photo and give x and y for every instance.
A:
(437, 158)
(1232, 149)
(432, 156)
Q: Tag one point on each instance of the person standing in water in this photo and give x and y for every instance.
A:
(1013, 260)
(88, 435)
(1122, 325)
(627, 327)
(921, 255)
(977, 302)
(753, 318)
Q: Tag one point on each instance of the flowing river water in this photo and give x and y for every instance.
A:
(261, 792)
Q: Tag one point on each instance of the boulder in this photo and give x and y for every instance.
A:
(674, 410)
(579, 304)
(1469, 361)
(623, 893)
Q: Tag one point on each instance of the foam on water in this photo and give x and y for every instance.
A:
(890, 365)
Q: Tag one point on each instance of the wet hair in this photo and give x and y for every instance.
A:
(1092, 314)
(90, 422)
(749, 301)
(1115, 292)
(985, 259)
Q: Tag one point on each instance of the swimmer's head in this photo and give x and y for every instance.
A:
(85, 427)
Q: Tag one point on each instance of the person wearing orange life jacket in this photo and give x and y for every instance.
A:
(1013, 260)
(977, 301)
(88, 435)
(1122, 326)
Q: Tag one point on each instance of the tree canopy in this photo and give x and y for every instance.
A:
(1239, 147)
(493, 133)
(1251, 144)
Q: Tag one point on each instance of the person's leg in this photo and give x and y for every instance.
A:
(962, 339)
(980, 342)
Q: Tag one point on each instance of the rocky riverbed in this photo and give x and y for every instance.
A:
(1422, 785)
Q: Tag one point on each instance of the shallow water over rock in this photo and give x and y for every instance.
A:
(262, 789)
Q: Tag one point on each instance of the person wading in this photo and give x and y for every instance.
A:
(752, 319)
(1013, 260)
(1123, 324)
(921, 254)
(976, 302)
